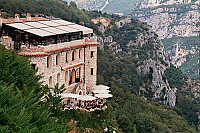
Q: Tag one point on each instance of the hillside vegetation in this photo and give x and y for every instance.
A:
(127, 111)
(190, 47)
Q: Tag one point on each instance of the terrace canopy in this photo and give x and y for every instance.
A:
(104, 95)
(44, 32)
(86, 98)
(70, 95)
(101, 87)
(101, 91)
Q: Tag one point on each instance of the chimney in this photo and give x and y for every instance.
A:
(28, 17)
(17, 17)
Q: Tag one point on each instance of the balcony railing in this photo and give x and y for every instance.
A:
(41, 48)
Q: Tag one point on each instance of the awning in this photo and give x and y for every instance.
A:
(103, 95)
(70, 95)
(101, 91)
(85, 30)
(40, 32)
(86, 98)
(101, 87)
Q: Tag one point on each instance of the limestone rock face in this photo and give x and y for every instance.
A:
(108, 39)
(100, 40)
(159, 86)
(122, 22)
(169, 22)
(154, 3)
(102, 28)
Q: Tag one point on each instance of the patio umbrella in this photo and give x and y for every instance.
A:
(103, 95)
(101, 91)
(86, 98)
(101, 87)
(70, 95)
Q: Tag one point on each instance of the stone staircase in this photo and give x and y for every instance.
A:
(76, 88)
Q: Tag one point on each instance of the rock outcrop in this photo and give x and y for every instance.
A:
(179, 54)
(159, 86)
(154, 3)
(174, 21)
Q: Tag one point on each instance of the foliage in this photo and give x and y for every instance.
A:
(132, 113)
(186, 42)
(20, 97)
(120, 6)
(188, 106)
(191, 66)
(135, 114)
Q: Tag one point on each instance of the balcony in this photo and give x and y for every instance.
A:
(55, 47)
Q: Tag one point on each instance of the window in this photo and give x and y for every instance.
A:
(73, 55)
(92, 71)
(34, 66)
(58, 61)
(79, 53)
(66, 57)
(49, 61)
(92, 54)
(58, 78)
(50, 81)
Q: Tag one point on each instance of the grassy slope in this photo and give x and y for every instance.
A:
(117, 6)
(190, 67)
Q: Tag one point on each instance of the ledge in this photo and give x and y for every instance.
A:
(55, 50)
(74, 66)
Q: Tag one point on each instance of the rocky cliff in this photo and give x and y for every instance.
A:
(89, 4)
(170, 21)
(154, 3)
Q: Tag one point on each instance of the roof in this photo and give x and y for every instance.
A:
(40, 32)
(20, 26)
(23, 19)
(59, 49)
(85, 30)
(49, 27)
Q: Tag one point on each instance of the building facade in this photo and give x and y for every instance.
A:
(63, 52)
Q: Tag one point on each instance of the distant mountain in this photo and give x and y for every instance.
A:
(90, 4)
(155, 3)
(109, 6)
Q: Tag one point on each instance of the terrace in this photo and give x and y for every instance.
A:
(46, 35)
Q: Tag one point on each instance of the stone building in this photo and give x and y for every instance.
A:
(63, 52)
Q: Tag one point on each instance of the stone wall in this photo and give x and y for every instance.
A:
(90, 62)
(63, 70)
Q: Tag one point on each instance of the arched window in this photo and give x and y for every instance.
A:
(66, 57)
(58, 60)
(79, 53)
(50, 81)
(73, 55)
(66, 76)
(92, 71)
(58, 78)
(73, 76)
(49, 61)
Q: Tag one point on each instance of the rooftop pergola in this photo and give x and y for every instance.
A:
(44, 32)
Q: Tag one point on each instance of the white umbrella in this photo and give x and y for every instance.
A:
(101, 87)
(70, 95)
(86, 98)
(103, 95)
(101, 91)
